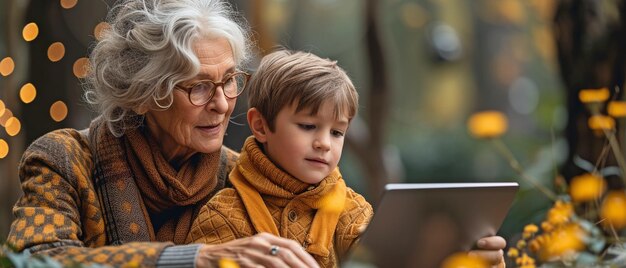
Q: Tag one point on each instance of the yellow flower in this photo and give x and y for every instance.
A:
(524, 260)
(546, 226)
(560, 213)
(535, 244)
(586, 187)
(531, 228)
(513, 253)
(565, 240)
(131, 264)
(617, 109)
(521, 244)
(463, 260)
(487, 124)
(600, 122)
(613, 209)
(227, 263)
(593, 95)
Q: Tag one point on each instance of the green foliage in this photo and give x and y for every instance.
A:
(10, 258)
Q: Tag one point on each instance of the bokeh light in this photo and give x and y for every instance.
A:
(56, 51)
(590, 95)
(28, 92)
(13, 126)
(58, 111)
(80, 68)
(5, 116)
(99, 30)
(600, 122)
(613, 209)
(6, 66)
(67, 4)
(2, 108)
(487, 124)
(413, 15)
(587, 187)
(4, 149)
(617, 109)
(462, 259)
(30, 31)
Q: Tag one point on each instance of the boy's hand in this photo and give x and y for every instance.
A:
(491, 249)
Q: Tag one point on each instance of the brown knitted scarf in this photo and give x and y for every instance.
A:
(144, 198)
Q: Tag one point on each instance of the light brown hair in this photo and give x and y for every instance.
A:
(285, 77)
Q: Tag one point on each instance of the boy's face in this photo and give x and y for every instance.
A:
(307, 146)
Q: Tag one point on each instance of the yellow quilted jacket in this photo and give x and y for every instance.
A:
(60, 214)
(224, 217)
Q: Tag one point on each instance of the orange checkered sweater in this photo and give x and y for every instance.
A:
(60, 213)
(225, 217)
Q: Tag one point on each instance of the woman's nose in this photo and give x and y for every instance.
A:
(219, 102)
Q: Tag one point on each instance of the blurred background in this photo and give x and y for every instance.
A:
(422, 67)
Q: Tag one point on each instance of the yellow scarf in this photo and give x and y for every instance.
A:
(255, 172)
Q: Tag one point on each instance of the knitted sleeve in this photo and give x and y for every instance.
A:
(358, 213)
(59, 213)
(212, 226)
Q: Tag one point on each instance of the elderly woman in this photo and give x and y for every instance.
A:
(165, 79)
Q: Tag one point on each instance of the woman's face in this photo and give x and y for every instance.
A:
(184, 129)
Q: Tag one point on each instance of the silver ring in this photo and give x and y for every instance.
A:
(274, 250)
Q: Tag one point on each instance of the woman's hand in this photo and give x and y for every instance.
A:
(491, 249)
(260, 250)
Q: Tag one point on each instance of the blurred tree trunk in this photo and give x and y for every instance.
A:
(591, 42)
(368, 140)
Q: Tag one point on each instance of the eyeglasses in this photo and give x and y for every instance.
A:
(201, 92)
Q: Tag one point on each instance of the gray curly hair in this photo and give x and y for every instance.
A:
(149, 49)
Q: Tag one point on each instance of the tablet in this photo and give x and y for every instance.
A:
(420, 224)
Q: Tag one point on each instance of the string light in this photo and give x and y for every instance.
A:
(56, 51)
(13, 126)
(67, 4)
(30, 32)
(7, 66)
(5, 116)
(58, 111)
(4, 149)
(80, 68)
(100, 29)
(28, 92)
(2, 108)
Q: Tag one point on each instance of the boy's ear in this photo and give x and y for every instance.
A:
(258, 125)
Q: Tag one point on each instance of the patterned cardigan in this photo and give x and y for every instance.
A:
(61, 216)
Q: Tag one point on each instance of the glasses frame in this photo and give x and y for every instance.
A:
(217, 84)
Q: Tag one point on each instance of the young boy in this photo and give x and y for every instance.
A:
(286, 181)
